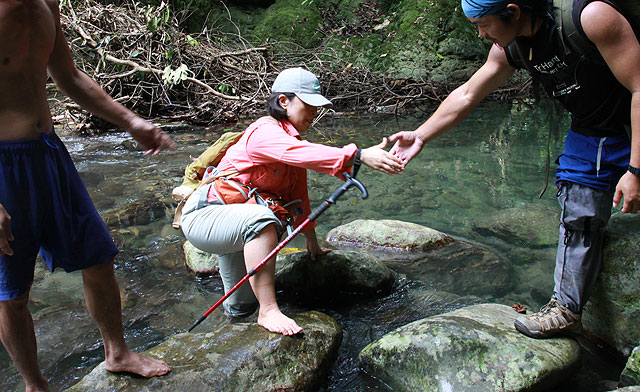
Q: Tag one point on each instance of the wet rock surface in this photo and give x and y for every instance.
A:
(333, 274)
(470, 349)
(236, 357)
(613, 310)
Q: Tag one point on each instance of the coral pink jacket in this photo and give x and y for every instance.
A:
(272, 157)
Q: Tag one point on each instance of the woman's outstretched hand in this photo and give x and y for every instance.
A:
(377, 158)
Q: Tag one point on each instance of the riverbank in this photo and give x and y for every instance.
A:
(216, 64)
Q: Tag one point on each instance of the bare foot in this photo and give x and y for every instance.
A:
(137, 364)
(273, 320)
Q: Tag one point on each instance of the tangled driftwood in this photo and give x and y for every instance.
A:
(139, 54)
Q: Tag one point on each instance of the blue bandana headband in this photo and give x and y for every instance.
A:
(480, 8)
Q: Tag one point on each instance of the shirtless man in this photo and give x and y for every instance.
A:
(44, 206)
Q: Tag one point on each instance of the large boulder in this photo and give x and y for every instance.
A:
(139, 212)
(434, 258)
(199, 261)
(613, 310)
(332, 274)
(236, 357)
(470, 349)
(387, 234)
(631, 373)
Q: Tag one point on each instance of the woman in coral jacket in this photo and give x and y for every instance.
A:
(270, 156)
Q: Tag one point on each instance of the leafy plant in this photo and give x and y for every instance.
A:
(172, 77)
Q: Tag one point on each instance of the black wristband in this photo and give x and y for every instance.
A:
(634, 170)
(357, 162)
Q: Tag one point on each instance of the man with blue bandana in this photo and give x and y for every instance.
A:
(601, 160)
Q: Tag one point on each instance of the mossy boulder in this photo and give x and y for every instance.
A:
(335, 273)
(291, 21)
(470, 349)
(419, 35)
(613, 310)
(631, 373)
(392, 235)
(236, 357)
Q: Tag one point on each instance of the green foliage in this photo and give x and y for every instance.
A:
(157, 16)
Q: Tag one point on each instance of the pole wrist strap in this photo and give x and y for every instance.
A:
(357, 162)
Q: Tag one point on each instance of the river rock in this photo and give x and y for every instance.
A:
(613, 310)
(332, 274)
(139, 212)
(236, 357)
(199, 261)
(533, 225)
(470, 349)
(464, 268)
(388, 235)
(631, 373)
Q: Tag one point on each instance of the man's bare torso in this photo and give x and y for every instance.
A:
(27, 37)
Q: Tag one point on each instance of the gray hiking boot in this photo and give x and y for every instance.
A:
(553, 319)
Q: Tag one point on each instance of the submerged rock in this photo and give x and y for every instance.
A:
(332, 274)
(387, 234)
(613, 310)
(139, 212)
(465, 268)
(470, 349)
(533, 225)
(631, 373)
(238, 357)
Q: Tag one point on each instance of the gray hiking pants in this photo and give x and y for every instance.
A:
(224, 230)
(585, 213)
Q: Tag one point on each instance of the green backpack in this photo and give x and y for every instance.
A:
(210, 157)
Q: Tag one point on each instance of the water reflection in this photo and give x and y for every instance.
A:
(493, 163)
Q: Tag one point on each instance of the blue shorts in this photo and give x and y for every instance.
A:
(51, 213)
(596, 162)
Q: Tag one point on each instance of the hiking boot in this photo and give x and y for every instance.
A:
(553, 319)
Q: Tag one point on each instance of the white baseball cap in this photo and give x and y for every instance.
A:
(303, 84)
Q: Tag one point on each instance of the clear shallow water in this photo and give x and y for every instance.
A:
(493, 163)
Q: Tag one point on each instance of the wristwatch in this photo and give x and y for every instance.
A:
(634, 170)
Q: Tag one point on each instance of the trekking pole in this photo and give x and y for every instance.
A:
(313, 216)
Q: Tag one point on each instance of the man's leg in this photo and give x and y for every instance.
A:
(102, 297)
(585, 213)
(19, 339)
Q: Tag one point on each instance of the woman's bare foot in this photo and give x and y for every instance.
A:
(273, 320)
(138, 364)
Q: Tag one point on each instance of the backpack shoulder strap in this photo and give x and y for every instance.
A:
(572, 40)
